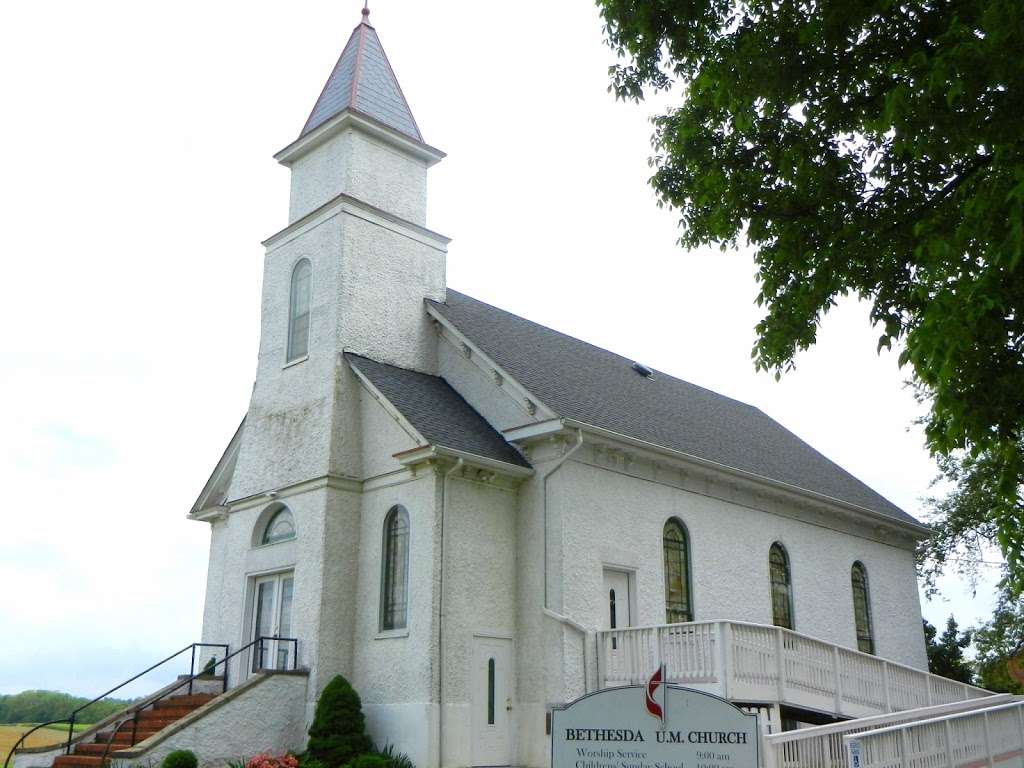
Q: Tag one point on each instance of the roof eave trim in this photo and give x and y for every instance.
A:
(553, 426)
(435, 313)
(434, 451)
(403, 423)
(218, 470)
(351, 204)
(351, 117)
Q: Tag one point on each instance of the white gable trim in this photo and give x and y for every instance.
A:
(393, 412)
(522, 396)
(225, 465)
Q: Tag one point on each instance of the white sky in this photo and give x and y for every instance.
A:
(137, 185)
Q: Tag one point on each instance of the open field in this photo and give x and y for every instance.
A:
(9, 734)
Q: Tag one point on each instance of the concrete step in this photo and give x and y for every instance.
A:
(77, 761)
(194, 700)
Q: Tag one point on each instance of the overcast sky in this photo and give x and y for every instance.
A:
(136, 187)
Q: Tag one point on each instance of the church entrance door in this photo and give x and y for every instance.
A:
(272, 617)
(492, 701)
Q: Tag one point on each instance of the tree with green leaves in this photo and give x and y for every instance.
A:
(946, 655)
(999, 647)
(871, 149)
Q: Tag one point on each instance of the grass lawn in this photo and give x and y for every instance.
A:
(55, 734)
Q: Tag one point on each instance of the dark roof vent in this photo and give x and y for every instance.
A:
(643, 370)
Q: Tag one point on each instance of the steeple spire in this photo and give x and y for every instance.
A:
(364, 82)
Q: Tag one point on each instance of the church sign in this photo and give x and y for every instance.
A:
(653, 726)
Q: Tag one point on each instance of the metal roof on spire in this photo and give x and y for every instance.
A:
(363, 81)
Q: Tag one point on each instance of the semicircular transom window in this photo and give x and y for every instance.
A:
(281, 527)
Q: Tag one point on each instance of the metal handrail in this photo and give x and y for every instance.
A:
(70, 719)
(151, 703)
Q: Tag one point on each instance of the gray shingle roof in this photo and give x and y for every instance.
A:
(437, 411)
(594, 386)
(364, 81)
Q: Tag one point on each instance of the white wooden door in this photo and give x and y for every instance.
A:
(272, 618)
(617, 602)
(491, 676)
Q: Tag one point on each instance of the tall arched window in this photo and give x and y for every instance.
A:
(675, 543)
(782, 592)
(862, 608)
(280, 527)
(394, 593)
(298, 311)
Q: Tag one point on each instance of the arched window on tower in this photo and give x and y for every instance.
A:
(298, 311)
(862, 608)
(394, 593)
(280, 527)
(676, 546)
(781, 585)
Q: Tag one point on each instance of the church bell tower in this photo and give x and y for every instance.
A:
(366, 263)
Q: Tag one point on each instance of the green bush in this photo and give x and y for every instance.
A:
(338, 734)
(180, 758)
(395, 758)
(368, 761)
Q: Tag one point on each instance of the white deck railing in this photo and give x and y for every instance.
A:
(822, 746)
(990, 737)
(759, 663)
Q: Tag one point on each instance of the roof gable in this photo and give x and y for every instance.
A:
(585, 383)
(436, 411)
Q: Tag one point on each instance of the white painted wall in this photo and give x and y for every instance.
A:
(264, 717)
(365, 167)
(608, 518)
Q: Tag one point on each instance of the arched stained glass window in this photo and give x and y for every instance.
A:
(394, 597)
(862, 608)
(280, 527)
(675, 542)
(298, 310)
(781, 585)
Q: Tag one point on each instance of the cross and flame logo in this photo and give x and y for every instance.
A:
(654, 708)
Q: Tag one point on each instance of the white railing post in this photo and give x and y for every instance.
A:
(928, 686)
(904, 748)
(988, 740)
(660, 634)
(836, 679)
(885, 684)
(949, 744)
(768, 749)
(780, 661)
(727, 658)
(721, 661)
(1020, 721)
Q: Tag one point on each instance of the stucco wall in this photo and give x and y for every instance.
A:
(393, 671)
(480, 597)
(364, 167)
(608, 518)
(264, 717)
(287, 434)
(386, 275)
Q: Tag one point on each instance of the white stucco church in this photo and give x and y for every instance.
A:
(475, 518)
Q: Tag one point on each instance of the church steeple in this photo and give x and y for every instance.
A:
(361, 139)
(364, 82)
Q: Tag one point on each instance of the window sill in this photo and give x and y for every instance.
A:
(388, 634)
(296, 361)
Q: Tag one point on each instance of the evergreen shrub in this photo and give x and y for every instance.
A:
(338, 734)
(180, 758)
